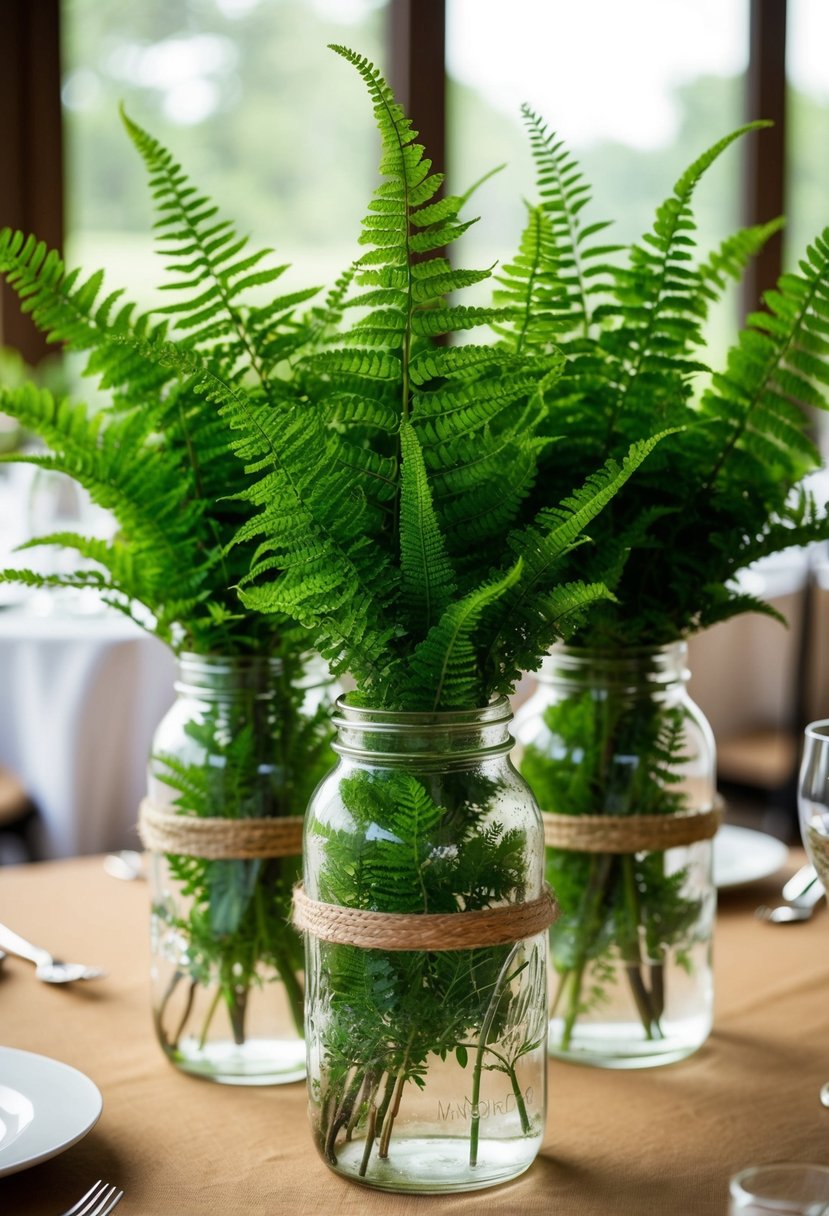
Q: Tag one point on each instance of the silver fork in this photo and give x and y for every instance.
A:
(98, 1200)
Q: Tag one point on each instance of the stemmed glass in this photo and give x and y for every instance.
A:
(813, 809)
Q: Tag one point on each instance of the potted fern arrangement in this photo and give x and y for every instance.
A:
(619, 758)
(247, 738)
(388, 523)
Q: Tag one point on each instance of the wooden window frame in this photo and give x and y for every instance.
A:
(31, 150)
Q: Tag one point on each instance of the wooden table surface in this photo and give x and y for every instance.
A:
(657, 1142)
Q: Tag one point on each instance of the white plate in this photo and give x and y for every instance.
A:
(45, 1107)
(742, 855)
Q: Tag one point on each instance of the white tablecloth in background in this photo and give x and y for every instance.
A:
(80, 697)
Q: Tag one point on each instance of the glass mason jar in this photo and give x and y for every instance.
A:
(617, 735)
(426, 1067)
(246, 738)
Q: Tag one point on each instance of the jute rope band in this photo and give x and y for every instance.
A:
(165, 831)
(423, 931)
(630, 833)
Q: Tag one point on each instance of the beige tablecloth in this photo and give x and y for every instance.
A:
(660, 1142)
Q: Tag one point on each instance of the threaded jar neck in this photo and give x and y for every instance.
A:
(225, 678)
(645, 669)
(462, 736)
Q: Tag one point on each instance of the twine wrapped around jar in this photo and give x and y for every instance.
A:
(423, 931)
(630, 833)
(165, 831)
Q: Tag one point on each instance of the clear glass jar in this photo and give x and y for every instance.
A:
(426, 1069)
(618, 735)
(245, 738)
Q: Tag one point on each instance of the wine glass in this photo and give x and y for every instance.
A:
(813, 809)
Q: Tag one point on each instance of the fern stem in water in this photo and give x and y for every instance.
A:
(632, 952)
(205, 1030)
(191, 996)
(388, 1122)
(590, 920)
(342, 1115)
(486, 1026)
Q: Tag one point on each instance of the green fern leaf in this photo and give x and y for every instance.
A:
(445, 666)
(427, 576)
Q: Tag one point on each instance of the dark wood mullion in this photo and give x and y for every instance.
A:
(764, 195)
(417, 69)
(31, 151)
(417, 75)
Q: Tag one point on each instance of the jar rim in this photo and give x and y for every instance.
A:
(369, 718)
(233, 662)
(625, 654)
(664, 664)
(422, 737)
(222, 677)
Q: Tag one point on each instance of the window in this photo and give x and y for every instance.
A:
(295, 176)
(249, 100)
(807, 69)
(636, 91)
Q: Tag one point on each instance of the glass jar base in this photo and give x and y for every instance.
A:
(621, 1045)
(438, 1165)
(255, 1062)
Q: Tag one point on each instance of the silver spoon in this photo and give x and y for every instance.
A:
(47, 968)
(824, 1094)
(799, 909)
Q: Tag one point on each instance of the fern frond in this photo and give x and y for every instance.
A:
(731, 257)
(108, 456)
(532, 294)
(521, 630)
(772, 378)
(77, 314)
(445, 666)
(427, 576)
(310, 526)
(660, 310)
(564, 247)
(464, 407)
(404, 273)
(212, 269)
(438, 363)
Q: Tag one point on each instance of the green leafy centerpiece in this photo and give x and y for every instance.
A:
(246, 741)
(389, 524)
(613, 748)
